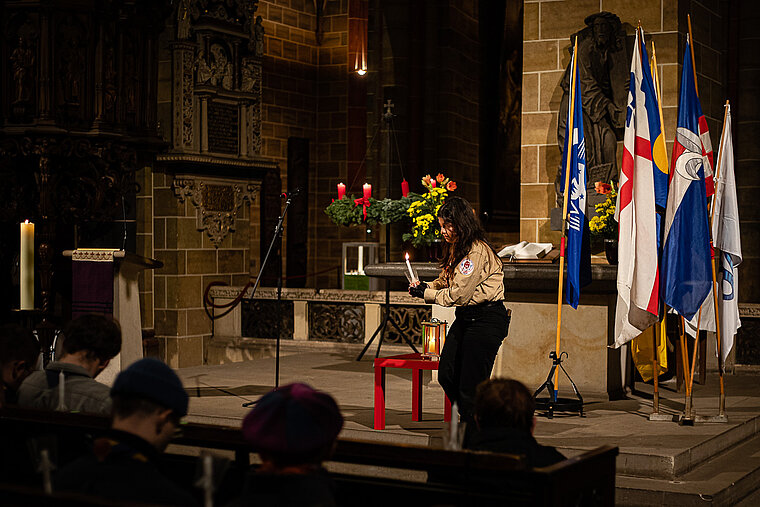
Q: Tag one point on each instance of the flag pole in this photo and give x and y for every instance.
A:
(569, 142)
(691, 47)
(722, 405)
(687, 377)
(662, 334)
(694, 354)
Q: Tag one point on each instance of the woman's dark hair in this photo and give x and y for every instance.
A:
(459, 213)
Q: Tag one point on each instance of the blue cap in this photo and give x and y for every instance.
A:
(152, 380)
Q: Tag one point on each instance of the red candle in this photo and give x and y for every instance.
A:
(367, 188)
(404, 188)
(341, 190)
(432, 183)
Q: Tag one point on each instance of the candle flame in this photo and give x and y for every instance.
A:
(27, 222)
(406, 256)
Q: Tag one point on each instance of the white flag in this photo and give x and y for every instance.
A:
(725, 233)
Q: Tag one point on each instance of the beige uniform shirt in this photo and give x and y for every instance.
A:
(478, 278)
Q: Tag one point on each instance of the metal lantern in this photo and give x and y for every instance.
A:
(433, 338)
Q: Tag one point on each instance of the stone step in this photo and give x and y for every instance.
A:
(731, 478)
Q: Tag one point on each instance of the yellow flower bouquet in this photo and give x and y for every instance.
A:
(424, 212)
(603, 225)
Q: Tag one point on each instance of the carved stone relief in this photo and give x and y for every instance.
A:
(336, 322)
(217, 202)
(217, 60)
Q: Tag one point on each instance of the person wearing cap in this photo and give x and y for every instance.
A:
(148, 404)
(293, 429)
(89, 344)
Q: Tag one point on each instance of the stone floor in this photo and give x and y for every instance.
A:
(660, 463)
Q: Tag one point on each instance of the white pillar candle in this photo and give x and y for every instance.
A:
(409, 267)
(26, 266)
(360, 267)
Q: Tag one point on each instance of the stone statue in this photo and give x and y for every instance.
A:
(258, 38)
(183, 19)
(603, 68)
(204, 73)
(22, 59)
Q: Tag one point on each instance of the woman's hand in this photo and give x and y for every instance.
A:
(418, 289)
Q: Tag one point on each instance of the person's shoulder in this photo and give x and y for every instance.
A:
(546, 455)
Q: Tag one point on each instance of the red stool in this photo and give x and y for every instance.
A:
(416, 364)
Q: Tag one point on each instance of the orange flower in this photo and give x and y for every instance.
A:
(602, 188)
(452, 185)
(440, 177)
(426, 179)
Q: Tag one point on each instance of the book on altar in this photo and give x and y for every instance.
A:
(526, 250)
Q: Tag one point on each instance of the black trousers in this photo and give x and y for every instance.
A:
(469, 352)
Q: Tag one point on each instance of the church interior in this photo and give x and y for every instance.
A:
(206, 172)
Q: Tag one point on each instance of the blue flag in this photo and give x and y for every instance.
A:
(577, 252)
(686, 264)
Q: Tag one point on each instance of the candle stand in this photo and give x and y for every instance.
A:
(388, 118)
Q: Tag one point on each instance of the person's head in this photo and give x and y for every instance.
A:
(460, 227)
(604, 26)
(19, 353)
(293, 425)
(149, 401)
(94, 338)
(504, 403)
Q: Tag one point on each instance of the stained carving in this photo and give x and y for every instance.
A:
(336, 322)
(216, 209)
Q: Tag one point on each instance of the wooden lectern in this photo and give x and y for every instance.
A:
(106, 282)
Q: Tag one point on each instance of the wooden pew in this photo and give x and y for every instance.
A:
(477, 478)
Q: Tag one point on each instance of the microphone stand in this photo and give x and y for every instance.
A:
(276, 240)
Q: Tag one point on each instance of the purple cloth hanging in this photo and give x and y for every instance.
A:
(92, 288)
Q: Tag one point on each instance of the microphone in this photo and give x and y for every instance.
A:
(294, 193)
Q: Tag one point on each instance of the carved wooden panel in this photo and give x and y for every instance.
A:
(259, 319)
(336, 322)
(409, 319)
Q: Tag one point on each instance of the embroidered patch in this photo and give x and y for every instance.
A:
(466, 267)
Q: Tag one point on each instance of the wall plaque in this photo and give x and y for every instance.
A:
(223, 127)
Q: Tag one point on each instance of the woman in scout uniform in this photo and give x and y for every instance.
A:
(472, 280)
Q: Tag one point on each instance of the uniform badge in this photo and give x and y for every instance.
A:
(466, 267)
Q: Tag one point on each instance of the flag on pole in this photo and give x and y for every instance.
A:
(578, 252)
(686, 266)
(643, 184)
(725, 231)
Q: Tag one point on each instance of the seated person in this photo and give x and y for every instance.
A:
(19, 354)
(505, 422)
(293, 429)
(148, 403)
(89, 344)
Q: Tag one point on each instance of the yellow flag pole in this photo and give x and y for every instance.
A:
(657, 337)
(722, 404)
(569, 140)
(693, 63)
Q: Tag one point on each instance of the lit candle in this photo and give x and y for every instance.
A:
(341, 190)
(26, 265)
(409, 267)
(367, 189)
(404, 188)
